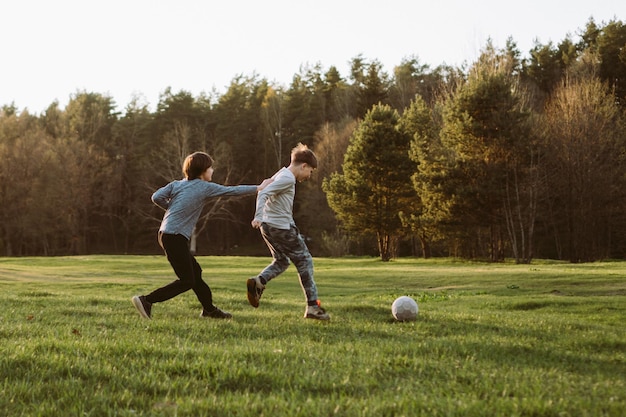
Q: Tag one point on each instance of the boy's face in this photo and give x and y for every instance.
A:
(207, 175)
(304, 173)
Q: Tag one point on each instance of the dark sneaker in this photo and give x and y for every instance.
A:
(216, 314)
(316, 312)
(255, 290)
(143, 307)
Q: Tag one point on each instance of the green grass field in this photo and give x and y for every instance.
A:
(547, 339)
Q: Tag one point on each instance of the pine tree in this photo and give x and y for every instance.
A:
(375, 187)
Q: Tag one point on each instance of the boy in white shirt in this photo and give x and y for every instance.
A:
(274, 217)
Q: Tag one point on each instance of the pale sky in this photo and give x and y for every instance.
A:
(124, 48)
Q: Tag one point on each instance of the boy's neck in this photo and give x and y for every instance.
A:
(293, 168)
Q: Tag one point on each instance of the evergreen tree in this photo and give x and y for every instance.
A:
(338, 103)
(370, 83)
(484, 129)
(612, 52)
(240, 131)
(375, 186)
(420, 122)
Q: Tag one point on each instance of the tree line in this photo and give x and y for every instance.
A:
(506, 157)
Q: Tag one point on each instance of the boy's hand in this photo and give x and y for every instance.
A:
(264, 184)
(256, 224)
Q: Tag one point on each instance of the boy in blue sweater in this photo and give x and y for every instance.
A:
(183, 201)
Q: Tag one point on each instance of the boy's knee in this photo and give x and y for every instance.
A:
(304, 264)
(282, 263)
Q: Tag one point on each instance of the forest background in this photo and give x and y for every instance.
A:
(510, 156)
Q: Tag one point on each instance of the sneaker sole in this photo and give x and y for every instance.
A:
(311, 316)
(226, 316)
(139, 306)
(252, 298)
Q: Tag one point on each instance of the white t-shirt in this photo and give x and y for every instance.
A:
(274, 205)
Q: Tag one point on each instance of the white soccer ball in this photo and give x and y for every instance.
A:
(404, 308)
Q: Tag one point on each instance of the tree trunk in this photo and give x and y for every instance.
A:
(384, 246)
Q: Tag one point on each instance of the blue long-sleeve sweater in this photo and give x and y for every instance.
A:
(183, 201)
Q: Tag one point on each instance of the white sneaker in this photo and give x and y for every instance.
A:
(143, 306)
(316, 312)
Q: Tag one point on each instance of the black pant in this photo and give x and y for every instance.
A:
(187, 270)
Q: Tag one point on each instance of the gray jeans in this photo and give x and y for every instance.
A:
(288, 245)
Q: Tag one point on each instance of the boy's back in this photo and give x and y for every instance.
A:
(275, 202)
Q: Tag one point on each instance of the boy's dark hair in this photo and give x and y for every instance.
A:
(303, 155)
(195, 164)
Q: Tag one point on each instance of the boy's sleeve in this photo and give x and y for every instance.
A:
(162, 196)
(217, 190)
(261, 198)
(276, 187)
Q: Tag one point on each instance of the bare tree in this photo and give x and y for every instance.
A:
(584, 140)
